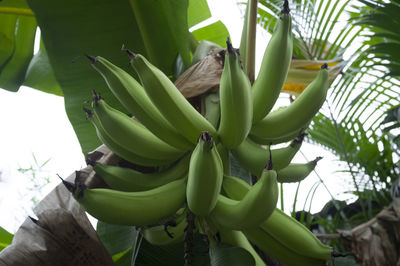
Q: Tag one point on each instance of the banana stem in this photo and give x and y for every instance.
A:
(251, 40)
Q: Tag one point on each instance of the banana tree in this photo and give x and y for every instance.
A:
(159, 31)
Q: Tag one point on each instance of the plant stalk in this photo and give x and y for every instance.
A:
(251, 40)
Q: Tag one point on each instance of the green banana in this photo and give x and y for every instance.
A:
(132, 135)
(134, 98)
(117, 148)
(274, 67)
(131, 208)
(254, 158)
(296, 172)
(170, 233)
(282, 230)
(224, 154)
(238, 239)
(254, 208)
(212, 104)
(127, 179)
(294, 117)
(273, 247)
(171, 103)
(236, 102)
(204, 177)
(281, 139)
(295, 236)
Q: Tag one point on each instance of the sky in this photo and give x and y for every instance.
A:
(35, 129)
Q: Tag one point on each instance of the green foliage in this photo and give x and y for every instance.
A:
(5, 238)
(226, 255)
(37, 180)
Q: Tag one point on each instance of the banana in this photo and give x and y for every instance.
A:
(277, 250)
(132, 135)
(296, 172)
(127, 179)
(283, 156)
(254, 208)
(280, 230)
(224, 154)
(295, 236)
(238, 239)
(134, 98)
(170, 233)
(116, 147)
(281, 139)
(254, 158)
(212, 112)
(171, 103)
(204, 177)
(274, 67)
(236, 102)
(131, 208)
(294, 117)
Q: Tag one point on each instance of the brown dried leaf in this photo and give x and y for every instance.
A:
(377, 242)
(202, 77)
(62, 235)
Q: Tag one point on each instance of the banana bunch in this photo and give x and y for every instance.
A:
(189, 154)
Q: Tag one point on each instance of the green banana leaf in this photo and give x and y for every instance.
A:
(227, 255)
(116, 238)
(128, 250)
(215, 32)
(12, 74)
(5, 238)
(40, 75)
(17, 36)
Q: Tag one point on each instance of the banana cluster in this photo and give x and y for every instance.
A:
(191, 154)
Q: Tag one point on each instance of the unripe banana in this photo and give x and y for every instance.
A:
(127, 179)
(131, 208)
(134, 98)
(170, 233)
(294, 117)
(224, 154)
(295, 236)
(119, 150)
(281, 230)
(296, 172)
(277, 250)
(171, 103)
(132, 135)
(274, 67)
(281, 139)
(204, 177)
(254, 208)
(237, 238)
(212, 105)
(254, 158)
(236, 102)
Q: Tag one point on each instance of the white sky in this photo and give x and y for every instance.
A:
(33, 122)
